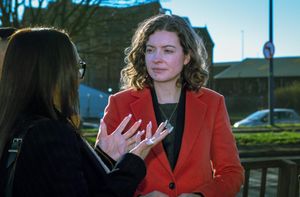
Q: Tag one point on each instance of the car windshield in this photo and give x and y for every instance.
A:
(257, 115)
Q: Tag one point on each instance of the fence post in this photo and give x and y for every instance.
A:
(287, 179)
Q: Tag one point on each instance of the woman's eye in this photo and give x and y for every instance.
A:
(148, 50)
(168, 51)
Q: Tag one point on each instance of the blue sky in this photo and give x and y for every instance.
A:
(226, 20)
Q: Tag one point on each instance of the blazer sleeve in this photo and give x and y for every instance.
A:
(228, 172)
(126, 175)
(51, 164)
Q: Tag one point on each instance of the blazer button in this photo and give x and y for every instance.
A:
(172, 185)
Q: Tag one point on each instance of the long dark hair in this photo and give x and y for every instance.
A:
(194, 74)
(39, 64)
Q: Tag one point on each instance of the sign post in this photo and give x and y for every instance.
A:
(269, 51)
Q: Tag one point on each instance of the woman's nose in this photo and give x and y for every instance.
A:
(157, 56)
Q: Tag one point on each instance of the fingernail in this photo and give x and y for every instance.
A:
(142, 132)
(129, 116)
(140, 120)
(149, 124)
(171, 129)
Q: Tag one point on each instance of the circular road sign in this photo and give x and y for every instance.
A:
(269, 50)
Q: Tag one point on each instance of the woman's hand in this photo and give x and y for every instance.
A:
(117, 144)
(142, 148)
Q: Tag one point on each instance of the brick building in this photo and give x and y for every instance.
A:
(106, 36)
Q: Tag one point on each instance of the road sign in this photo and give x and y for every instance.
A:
(269, 50)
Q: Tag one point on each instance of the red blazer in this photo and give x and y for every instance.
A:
(208, 161)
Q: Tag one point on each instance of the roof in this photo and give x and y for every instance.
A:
(259, 68)
(220, 67)
(124, 4)
(203, 32)
(225, 64)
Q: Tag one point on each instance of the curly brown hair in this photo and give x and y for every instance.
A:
(194, 74)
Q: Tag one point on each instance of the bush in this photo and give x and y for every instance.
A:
(288, 97)
(267, 138)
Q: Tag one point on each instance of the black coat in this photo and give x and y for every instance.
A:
(55, 161)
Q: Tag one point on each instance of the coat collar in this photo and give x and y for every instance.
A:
(195, 111)
(143, 109)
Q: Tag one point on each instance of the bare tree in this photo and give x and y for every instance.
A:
(66, 14)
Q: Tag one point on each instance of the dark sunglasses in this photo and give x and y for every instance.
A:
(81, 70)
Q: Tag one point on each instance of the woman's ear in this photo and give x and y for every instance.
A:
(187, 59)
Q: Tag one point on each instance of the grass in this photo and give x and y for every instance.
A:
(267, 138)
(90, 135)
(91, 140)
(242, 139)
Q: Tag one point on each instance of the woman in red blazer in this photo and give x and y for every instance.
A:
(163, 80)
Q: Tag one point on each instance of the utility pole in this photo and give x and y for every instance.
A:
(242, 44)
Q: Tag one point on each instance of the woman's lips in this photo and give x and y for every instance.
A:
(158, 70)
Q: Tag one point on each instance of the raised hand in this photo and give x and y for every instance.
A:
(117, 144)
(142, 148)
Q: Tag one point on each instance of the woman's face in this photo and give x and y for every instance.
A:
(164, 57)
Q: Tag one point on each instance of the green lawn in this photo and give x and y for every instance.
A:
(243, 139)
(267, 138)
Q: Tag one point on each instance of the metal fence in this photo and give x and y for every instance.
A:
(287, 176)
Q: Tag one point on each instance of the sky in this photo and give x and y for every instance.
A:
(240, 28)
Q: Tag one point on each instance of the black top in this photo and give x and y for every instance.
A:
(55, 161)
(172, 142)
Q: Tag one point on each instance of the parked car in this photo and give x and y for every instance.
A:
(261, 118)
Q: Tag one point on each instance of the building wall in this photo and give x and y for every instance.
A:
(115, 28)
(107, 34)
(112, 30)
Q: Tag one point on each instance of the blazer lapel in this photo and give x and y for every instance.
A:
(142, 108)
(195, 111)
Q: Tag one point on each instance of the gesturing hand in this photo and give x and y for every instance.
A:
(142, 148)
(117, 144)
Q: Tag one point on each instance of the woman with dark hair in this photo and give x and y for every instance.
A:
(39, 98)
(164, 81)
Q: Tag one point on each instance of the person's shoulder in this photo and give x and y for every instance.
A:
(44, 121)
(5, 32)
(51, 127)
(209, 97)
(206, 92)
(131, 93)
(123, 93)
